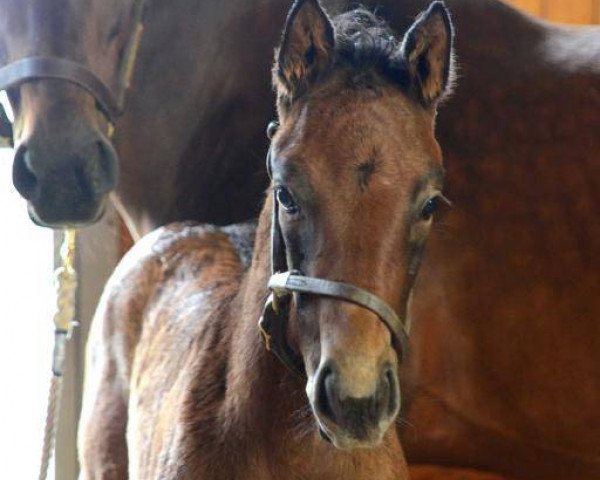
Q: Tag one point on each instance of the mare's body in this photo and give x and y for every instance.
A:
(201, 159)
(192, 142)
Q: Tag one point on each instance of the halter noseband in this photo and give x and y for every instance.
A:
(33, 68)
(285, 281)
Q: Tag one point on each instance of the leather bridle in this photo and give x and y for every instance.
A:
(109, 103)
(285, 281)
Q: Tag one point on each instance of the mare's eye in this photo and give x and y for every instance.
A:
(431, 207)
(285, 199)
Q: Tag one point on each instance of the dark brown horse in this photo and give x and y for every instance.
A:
(176, 360)
(505, 314)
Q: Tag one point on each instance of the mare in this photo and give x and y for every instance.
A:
(179, 383)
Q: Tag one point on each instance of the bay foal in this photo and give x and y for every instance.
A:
(180, 384)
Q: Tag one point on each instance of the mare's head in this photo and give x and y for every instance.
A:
(64, 163)
(357, 174)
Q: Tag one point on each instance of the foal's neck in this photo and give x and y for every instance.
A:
(255, 374)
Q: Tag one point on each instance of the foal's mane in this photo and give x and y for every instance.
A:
(365, 43)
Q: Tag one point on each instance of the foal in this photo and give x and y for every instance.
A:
(180, 384)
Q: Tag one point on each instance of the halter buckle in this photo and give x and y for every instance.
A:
(266, 337)
(265, 322)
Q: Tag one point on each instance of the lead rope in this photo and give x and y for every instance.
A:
(65, 280)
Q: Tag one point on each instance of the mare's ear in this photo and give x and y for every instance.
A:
(306, 48)
(428, 51)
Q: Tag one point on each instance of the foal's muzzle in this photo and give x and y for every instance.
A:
(354, 422)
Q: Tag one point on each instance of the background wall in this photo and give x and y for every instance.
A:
(563, 11)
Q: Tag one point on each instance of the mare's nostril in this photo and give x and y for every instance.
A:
(107, 161)
(24, 179)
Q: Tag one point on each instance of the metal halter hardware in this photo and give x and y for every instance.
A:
(34, 68)
(284, 282)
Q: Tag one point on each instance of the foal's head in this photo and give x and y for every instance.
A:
(358, 175)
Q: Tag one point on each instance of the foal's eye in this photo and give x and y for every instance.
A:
(285, 199)
(432, 206)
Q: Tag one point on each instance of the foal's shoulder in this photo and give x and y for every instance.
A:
(184, 237)
(188, 248)
(190, 239)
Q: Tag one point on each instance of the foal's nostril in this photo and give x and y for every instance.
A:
(325, 391)
(382, 395)
(24, 179)
(362, 412)
(391, 390)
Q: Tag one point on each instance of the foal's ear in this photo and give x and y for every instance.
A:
(306, 47)
(428, 51)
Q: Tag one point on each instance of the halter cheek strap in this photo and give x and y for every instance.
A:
(284, 282)
(38, 68)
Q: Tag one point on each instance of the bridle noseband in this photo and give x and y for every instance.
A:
(33, 68)
(284, 282)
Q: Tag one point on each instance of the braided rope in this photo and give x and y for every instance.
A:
(54, 397)
(66, 287)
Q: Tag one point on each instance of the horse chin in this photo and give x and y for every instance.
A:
(58, 221)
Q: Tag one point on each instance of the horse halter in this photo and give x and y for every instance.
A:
(38, 68)
(284, 282)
